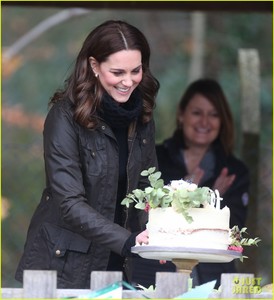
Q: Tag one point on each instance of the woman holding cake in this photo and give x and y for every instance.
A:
(98, 137)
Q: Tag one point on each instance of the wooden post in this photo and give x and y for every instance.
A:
(236, 285)
(198, 28)
(170, 285)
(250, 123)
(39, 284)
(249, 65)
(100, 279)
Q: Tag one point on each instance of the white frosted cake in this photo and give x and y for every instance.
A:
(209, 229)
(208, 226)
(182, 214)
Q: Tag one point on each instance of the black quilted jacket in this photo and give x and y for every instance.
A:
(72, 229)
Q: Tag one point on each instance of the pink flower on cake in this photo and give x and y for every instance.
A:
(147, 207)
(236, 248)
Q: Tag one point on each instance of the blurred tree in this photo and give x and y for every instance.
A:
(40, 67)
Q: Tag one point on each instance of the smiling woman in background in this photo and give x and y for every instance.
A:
(201, 150)
(98, 137)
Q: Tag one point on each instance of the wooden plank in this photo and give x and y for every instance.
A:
(100, 279)
(18, 293)
(227, 6)
(170, 285)
(235, 285)
(12, 293)
(39, 284)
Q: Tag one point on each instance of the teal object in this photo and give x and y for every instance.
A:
(200, 292)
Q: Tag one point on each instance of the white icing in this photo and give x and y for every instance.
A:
(209, 229)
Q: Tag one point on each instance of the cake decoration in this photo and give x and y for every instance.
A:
(237, 240)
(179, 194)
(181, 214)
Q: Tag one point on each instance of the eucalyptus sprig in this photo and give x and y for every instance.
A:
(183, 200)
(155, 195)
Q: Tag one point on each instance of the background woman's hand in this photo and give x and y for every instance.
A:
(224, 181)
(195, 176)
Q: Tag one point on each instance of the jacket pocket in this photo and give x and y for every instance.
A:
(93, 154)
(142, 147)
(56, 248)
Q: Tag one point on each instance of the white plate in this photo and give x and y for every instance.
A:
(201, 254)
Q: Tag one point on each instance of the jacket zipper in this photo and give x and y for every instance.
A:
(131, 138)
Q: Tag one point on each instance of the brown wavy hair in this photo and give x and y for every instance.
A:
(212, 90)
(84, 89)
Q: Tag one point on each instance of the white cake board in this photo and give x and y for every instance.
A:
(203, 255)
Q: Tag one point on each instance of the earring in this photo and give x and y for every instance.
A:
(96, 75)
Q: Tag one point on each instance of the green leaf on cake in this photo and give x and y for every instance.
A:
(237, 239)
(140, 205)
(139, 194)
(126, 201)
(159, 195)
(148, 172)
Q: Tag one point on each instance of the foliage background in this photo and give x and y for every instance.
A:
(39, 69)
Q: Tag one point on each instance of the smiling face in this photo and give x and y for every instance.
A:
(120, 74)
(200, 121)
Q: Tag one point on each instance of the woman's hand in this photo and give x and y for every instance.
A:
(195, 176)
(224, 181)
(162, 262)
(142, 238)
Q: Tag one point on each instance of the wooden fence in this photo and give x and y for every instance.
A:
(43, 284)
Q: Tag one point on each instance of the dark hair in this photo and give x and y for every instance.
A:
(83, 88)
(212, 90)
